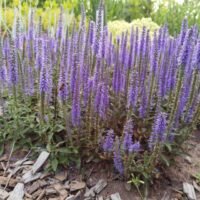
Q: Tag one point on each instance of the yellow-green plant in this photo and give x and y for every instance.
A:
(119, 26)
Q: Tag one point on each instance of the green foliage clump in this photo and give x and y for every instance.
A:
(49, 13)
(119, 26)
(134, 9)
(20, 123)
(147, 22)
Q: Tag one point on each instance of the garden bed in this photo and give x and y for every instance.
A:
(72, 182)
(99, 111)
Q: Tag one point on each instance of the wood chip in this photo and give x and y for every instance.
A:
(29, 162)
(166, 196)
(3, 194)
(61, 190)
(115, 196)
(15, 170)
(71, 197)
(44, 175)
(4, 158)
(17, 193)
(91, 182)
(99, 198)
(4, 180)
(188, 189)
(188, 159)
(52, 181)
(41, 195)
(101, 184)
(66, 185)
(196, 187)
(38, 184)
(76, 185)
(26, 169)
(61, 176)
(3, 166)
(28, 195)
(37, 193)
(89, 193)
(127, 186)
(29, 177)
(42, 183)
(20, 162)
(78, 194)
(50, 191)
(40, 161)
(32, 188)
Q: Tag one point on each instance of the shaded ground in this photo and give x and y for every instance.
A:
(167, 187)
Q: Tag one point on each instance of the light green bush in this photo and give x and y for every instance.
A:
(147, 22)
(49, 15)
(119, 26)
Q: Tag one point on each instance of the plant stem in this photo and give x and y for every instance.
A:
(97, 129)
(178, 89)
(42, 106)
(192, 91)
(151, 93)
(142, 198)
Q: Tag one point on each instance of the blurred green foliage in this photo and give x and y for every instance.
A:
(172, 13)
(161, 11)
(115, 9)
(135, 9)
(49, 12)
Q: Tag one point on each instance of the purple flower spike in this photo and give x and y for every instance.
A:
(127, 143)
(104, 101)
(154, 54)
(99, 29)
(3, 74)
(97, 100)
(63, 91)
(76, 110)
(158, 131)
(118, 163)
(43, 81)
(185, 51)
(196, 56)
(109, 141)
(134, 147)
(13, 68)
(184, 27)
(128, 130)
(91, 33)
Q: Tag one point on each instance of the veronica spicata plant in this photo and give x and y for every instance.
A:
(126, 97)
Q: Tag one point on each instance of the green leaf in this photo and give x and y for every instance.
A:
(1, 149)
(64, 150)
(54, 164)
(165, 160)
(169, 147)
